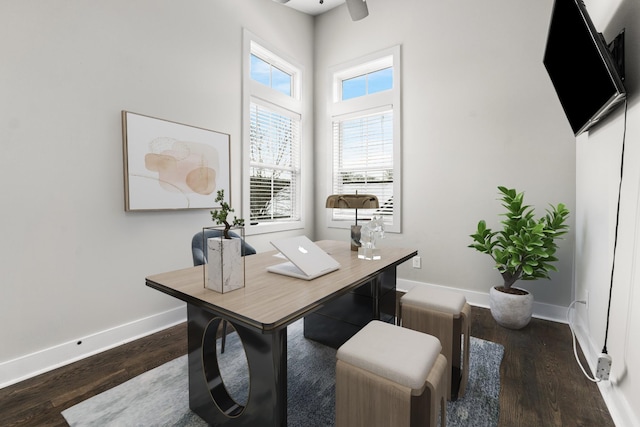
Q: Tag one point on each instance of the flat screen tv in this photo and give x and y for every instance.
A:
(586, 72)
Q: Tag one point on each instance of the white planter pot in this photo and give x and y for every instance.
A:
(511, 310)
(225, 265)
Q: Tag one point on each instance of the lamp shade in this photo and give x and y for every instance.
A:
(352, 201)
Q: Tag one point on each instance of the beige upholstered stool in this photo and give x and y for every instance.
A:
(446, 315)
(390, 376)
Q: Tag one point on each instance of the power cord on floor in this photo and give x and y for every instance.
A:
(573, 335)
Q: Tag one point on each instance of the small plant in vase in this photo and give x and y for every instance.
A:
(226, 271)
(220, 215)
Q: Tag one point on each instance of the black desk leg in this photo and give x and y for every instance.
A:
(267, 359)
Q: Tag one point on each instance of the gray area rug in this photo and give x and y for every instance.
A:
(160, 397)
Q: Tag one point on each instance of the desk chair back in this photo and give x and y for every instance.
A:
(198, 243)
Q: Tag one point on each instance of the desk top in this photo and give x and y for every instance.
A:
(270, 300)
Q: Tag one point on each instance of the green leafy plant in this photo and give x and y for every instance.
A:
(220, 215)
(525, 247)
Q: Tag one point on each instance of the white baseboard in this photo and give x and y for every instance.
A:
(616, 402)
(618, 405)
(543, 311)
(33, 364)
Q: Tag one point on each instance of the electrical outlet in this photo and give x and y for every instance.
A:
(417, 262)
(603, 368)
(586, 299)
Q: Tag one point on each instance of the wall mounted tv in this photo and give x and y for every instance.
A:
(586, 72)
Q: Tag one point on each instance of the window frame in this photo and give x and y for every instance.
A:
(262, 94)
(353, 107)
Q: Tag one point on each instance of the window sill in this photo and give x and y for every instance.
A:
(272, 227)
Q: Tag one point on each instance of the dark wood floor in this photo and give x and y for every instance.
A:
(541, 384)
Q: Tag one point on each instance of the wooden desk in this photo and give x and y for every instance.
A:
(260, 313)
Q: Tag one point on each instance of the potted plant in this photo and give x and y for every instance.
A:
(524, 249)
(220, 215)
(226, 272)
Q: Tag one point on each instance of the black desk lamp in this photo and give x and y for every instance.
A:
(353, 201)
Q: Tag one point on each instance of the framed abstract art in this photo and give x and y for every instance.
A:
(169, 165)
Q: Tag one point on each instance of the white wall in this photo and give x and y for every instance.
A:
(599, 159)
(72, 262)
(479, 111)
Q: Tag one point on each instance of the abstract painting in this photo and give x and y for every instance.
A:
(169, 165)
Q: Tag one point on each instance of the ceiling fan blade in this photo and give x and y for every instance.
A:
(357, 9)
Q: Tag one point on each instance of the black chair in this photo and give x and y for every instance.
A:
(199, 244)
(199, 253)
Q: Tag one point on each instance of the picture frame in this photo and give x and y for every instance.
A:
(170, 165)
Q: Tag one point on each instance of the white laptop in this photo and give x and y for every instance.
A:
(306, 259)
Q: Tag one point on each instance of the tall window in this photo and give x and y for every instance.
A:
(366, 134)
(274, 164)
(272, 137)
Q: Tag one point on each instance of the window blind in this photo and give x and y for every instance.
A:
(274, 164)
(363, 160)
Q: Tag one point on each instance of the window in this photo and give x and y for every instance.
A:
(270, 75)
(366, 135)
(271, 156)
(366, 84)
(274, 164)
(363, 159)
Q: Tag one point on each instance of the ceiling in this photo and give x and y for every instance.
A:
(313, 7)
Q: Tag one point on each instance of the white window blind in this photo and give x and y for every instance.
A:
(363, 160)
(274, 164)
